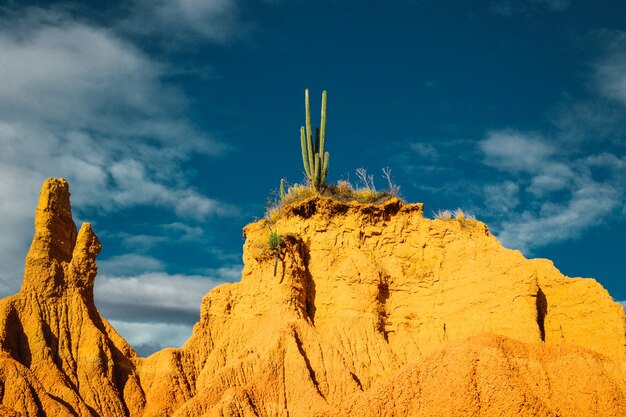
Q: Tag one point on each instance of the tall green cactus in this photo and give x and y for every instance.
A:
(314, 158)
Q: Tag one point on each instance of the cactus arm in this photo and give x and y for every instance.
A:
(309, 134)
(282, 188)
(325, 168)
(305, 156)
(322, 124)
(317, 141)
(316, 172)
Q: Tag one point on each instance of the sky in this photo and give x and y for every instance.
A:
(174, 121)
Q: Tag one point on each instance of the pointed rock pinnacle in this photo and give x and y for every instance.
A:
(59, 258)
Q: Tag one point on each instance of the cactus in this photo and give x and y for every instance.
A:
(282, 188)
(314, 159)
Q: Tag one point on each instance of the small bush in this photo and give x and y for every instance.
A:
(462, 216)
(443, 215)
(298, 192)
(274, 241)
(457, 214)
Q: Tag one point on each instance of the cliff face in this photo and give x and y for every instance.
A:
(374, 310)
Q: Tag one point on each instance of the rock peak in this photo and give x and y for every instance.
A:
(59, 258)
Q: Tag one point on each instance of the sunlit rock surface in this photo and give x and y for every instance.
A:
(374, 311)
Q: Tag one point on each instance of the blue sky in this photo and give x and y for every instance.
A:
(174, 120)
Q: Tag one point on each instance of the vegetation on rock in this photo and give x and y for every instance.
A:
(314, 159)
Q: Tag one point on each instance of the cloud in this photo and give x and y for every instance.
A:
(153, 310)
(552, 5)
(80, 102)
(598, 118)
(520, 153)
(162, 234)
(425, 150)
(515, 151)
(152, 296)
(129, 264)
(526, 7)
(590, 205)
(610, 71)
(561, 197)
(147, 338)
(502, 198)
(229, 273)
(186, 20)
(552, 188)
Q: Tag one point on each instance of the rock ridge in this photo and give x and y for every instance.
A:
(373, 310)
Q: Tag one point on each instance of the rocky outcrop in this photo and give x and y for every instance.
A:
(364, 293)
(59, 357)
(374, 310)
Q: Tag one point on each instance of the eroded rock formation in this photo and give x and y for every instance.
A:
(59, 357)
(374, 310)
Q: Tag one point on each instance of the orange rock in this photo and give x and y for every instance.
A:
(491, 375)
(60, 357)
(374, 310)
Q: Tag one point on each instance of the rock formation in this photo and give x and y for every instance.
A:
(59, 357)
(374, 310)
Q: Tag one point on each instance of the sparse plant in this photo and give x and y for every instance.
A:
(393, 188)
(366, 180)
(297, 192)
(273, 206)
(457, 214)
(368, 193)
(314, 159)
(462, 216)
(274, 241)
(443, 215)
(343, 187)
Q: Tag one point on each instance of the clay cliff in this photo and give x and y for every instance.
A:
(374, 311)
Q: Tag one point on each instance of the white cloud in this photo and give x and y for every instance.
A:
(589, 206)
(153, 310)
(425, 150)
(129, 264)
(520, 153)
(524, 7)
(155, 297)
(610, 71)
(502, 198)
(553, 5)
(167, 234)
(184, 20)
(229, 273)
(147, 338)
(514, 151)
(77, 101)
(537, 173)
(563, 188)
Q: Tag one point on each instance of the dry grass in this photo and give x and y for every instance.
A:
(443, 215)
(341, 191)
(457, 214)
